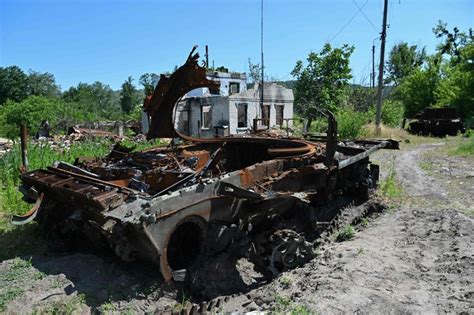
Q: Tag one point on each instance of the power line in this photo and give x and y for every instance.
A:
(366, 17)
(348, 22)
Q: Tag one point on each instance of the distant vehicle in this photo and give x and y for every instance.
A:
(438, 122)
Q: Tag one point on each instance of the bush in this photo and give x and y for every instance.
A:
(417, 91)
(31, 112)
(350, 123)
(392, 113)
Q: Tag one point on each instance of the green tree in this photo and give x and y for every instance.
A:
(402, 60)
(322, 82)
(417, 90)
(13, 84)
(42, 84)
(31, 112)
(96, 98)
(452, 42)
(361, 98)
(456, 88)
(128, 96)
(149, 81)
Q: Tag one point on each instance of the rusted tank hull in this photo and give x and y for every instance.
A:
(438, 122)
(170, 227)
(170, 205)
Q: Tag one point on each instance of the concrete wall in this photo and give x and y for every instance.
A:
(225, 79)
(274, 95)
(224, 110)
(192, 106)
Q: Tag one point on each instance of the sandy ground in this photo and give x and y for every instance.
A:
(416, 257)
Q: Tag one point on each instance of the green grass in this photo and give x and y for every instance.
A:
(389, 187)
(465, 148)
(39, 156)
(17, 274)
(72, 305)
(9, 295)
(284, 305)
(145, 145)
(26, 240)
(346, 233)
(364, 222)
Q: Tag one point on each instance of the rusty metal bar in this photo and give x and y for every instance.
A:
(362, 155)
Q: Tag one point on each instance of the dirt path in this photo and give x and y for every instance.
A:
(415, 258)
(413, 178)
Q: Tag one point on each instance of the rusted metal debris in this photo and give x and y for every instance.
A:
(171, 205)
(438, 122)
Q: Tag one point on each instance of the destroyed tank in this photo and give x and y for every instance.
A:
(261, 196)
(438, 122)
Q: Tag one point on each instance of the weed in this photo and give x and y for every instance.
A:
(285, 305)
(465, 148)
(282, 303)
(69, 306)
(300, 310)
(364, 222)
(390, 208)
(360, 251)
(285, 280)
(9, 295)
(40, 155)
(180, 306)
(18, 270)
(427, 166)
(142, 146)
(390, 188)
(108, 307)
(351, 123)
(345, 234)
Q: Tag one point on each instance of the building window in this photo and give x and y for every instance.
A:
(279, 109)
(206, 117)
(241, 115)
(214, 91)
(266, 115)
(234, 88)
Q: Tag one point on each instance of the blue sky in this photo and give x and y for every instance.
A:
(105, 40)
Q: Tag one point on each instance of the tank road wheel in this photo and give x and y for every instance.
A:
(185, 244)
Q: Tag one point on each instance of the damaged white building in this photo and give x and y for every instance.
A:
(232, 109)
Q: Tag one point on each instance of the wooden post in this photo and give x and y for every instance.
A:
(24, 146)
(378, 108)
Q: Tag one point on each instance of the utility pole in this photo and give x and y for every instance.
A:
(372, 76)
(261, 50)
(381, 65)
(207, 57)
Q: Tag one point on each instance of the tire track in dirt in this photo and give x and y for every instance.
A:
(415, 181)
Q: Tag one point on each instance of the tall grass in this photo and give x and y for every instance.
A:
(465, 148)
(40, 155)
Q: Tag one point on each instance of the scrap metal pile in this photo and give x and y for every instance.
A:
(172, 205)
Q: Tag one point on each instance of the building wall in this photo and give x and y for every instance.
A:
(224, 110)
(219, 114)
(225, 79)
(274, 95)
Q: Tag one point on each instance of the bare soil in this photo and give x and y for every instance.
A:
(415, 257)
